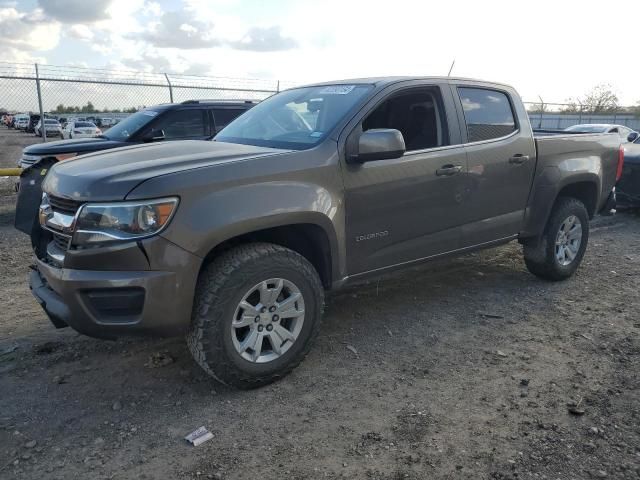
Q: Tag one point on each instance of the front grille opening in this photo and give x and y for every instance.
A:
(64, 205)
(61, 241)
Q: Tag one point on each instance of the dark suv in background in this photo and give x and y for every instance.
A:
(190, 120)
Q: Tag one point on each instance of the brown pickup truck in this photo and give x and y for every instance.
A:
(234, 241)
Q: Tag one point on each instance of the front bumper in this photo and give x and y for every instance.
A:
(111, 303)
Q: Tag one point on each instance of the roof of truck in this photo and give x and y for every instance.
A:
(395, 79)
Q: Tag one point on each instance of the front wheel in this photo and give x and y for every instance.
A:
(560, 250)
(256, 312)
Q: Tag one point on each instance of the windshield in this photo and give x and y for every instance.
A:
(298, 119)
(51, 122)
(586, 128)
(84, 125)
(130, 125)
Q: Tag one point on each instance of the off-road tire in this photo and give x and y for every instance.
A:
(220, 286)
(540, 258)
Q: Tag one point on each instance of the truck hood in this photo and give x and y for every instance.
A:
(80, 146)
(111, 175)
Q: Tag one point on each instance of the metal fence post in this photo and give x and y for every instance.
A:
(541, 111)
(580, 115)
(170, 88)
(42, 122)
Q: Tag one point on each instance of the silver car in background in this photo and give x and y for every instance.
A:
(51, 126)
(626, 134)
(80, 129)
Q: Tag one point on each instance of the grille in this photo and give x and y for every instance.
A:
(61, 241)
(64, 205)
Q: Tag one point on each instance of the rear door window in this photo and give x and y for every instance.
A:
(487, 113)
(188, 123)
(224, 116)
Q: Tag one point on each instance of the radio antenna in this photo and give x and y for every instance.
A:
(451, 68)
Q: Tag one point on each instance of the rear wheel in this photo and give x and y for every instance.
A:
(256, 312)
(560, 250)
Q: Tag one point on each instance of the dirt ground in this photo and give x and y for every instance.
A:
(463, 369)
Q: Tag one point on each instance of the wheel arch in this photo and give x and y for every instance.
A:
(312, 240)
(584, 187)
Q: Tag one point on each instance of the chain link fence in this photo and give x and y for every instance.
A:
(558, 116)
(73, 92)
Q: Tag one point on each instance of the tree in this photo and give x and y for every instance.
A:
(600, 99)
(635, 109)
(537, 108)
(88, 108)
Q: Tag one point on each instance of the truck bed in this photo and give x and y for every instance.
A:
(571, 153)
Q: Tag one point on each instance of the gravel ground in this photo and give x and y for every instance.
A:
(11, 144)
(464, 369)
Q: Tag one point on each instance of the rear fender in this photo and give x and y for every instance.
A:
(550, 183)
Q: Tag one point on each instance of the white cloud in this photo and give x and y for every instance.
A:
(75, 11)
(268, 39)
(27, 31)
(80, 32)
(532, 47)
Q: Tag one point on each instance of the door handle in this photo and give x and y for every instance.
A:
(518, 159)
(448, 170)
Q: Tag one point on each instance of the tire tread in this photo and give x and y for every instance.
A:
(216, 281)
(540, 258)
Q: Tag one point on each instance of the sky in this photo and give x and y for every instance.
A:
(553, 49)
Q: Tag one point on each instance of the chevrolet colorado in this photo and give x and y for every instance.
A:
(234, 241)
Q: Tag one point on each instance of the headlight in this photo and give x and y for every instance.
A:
(102, 223)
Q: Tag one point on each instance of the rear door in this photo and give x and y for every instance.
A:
(501, 161)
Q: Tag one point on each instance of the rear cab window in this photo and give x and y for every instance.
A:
(488, 113)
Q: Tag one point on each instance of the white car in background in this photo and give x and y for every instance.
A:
(21, 122)
(52, 127)
(78, 129)
(107, 122)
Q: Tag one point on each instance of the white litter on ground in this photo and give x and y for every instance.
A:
(199, 436)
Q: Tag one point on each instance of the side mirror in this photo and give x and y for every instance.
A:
(379, 144)
(633, 136)
(153, 135)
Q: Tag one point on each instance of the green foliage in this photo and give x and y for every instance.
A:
(600, 99)
(90, 108)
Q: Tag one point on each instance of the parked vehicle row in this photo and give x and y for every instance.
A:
(234, 241)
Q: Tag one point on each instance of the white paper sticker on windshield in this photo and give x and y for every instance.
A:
(315, 134)
(151, 113)
(337, 89)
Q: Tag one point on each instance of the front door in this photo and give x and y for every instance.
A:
(408, 208)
